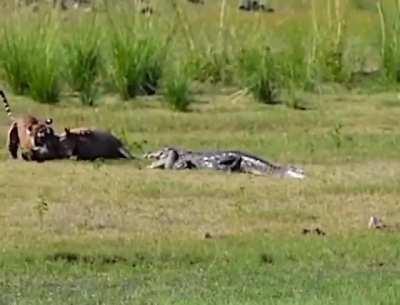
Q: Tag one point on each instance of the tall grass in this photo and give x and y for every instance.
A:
(137, 59)
(295, 68)
(14, 51)
(390, 41)
(30, 59)
(260, 74)
(210, 64)
(225, 47)
(326, 61)
(83, 57)
(177, 88)
(45, 65)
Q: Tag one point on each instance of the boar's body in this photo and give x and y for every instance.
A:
(91, 144)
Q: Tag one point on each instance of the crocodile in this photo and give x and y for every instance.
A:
(223, 160)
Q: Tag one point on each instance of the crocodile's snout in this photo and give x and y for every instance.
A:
(152, 155)
(159, 154)
(294, 172)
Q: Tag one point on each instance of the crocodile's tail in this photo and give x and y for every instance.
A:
(6, 105)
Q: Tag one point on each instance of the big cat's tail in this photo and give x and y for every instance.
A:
(6, 105)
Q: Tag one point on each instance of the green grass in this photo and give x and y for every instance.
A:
(14, 67)
(137, 59)
(177, 89)
(312, 45)
(84, 63)
(262, 74)
(117, 233)
(31, 58)
(390, 44)
(255, 270)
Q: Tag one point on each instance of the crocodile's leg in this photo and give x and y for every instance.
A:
(230, 163)
(235, 165)
(184, 164)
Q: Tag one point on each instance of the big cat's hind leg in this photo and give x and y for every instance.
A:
(13, 140)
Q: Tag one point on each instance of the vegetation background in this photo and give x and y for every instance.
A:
(313, 84)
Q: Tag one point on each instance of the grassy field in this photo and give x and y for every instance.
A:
(115, 49)
(117, 233)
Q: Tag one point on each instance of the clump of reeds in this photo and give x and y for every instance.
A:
(390, 41)
(137, 60)
(30, 57)
(84, 62)
(177, 87)
(259, 71)
(326, 58)
(45, 65)
(14, 57)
